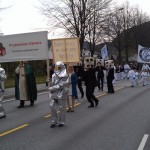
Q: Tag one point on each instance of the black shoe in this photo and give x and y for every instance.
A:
(82, 96)
(53, 125)
(32, 104)
(61, 125)
(90, 106)
(96, 103)
(69, 110)
(21, 106)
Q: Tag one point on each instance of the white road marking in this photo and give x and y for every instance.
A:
(143, 142)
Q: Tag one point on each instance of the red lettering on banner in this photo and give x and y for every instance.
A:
(24, 44)
(35, 43)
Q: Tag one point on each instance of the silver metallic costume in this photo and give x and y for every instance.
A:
(58, 93)
(2, 79)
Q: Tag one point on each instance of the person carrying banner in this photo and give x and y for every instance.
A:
(25, 85)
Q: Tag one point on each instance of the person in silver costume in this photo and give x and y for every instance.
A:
(58, 92)
(2, 79)
(2, 89)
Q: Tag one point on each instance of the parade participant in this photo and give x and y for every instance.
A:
(100, 77)
(2, 111)
(110, 78)
(131, 77)
(144, 76)
(2, 79)
(90, 83)
(26, 90)
(51, 71)
(145, 67)
(136, 76)
(115, 76)
(58, 92)
(118, 72)
(79, 74)
(126, 69)
(72, 88)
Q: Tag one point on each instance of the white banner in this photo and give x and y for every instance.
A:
(143, 54)
(104, 52)
(26, 46)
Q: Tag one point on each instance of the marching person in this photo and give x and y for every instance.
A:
(126, 69)
(25, 88)
(58, 93)
(72, 88)
(100, 77)
(79, 74)
(3, 77)
(90, 83)
(131, 77)
(110, 78)
(136, 76)
(144, 76)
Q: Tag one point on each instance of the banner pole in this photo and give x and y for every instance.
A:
(48, 72)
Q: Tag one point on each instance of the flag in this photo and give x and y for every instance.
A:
(143, 54)
(104, 52)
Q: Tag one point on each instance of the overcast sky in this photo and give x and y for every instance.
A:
(23, 17)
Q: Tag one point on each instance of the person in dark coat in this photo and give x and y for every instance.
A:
(79, 73)
(100, 77)
(26, 90)
(90, 83)
(110, 77)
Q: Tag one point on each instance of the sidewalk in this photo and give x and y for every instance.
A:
(10, 92)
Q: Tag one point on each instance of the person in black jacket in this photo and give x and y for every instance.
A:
(100, 77)
(110, 77)
(90, 83)
(79, 73)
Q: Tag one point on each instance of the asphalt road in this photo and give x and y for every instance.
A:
(120, 122)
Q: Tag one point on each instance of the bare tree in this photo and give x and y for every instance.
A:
(119, 27)
(81, 18)
(113, 29)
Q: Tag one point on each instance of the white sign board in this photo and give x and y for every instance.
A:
(143, 54)
(26, 46)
